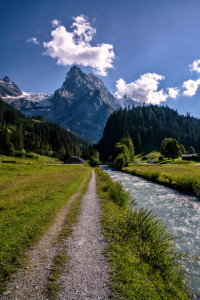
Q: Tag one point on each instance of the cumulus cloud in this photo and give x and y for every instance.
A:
(145, 89)
(33, 40)
(173, 92)
(75, 47)
(195, 66)
(55, 23)
(191, 87)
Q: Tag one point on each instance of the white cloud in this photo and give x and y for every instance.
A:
(191, 87)
(195, 66)
(173, 92)
(83, 29)
(142, 90)
(75, 48)
(33, 40)
(55, 23)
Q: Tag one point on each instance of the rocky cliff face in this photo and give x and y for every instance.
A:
(9, 88)
(82, 104)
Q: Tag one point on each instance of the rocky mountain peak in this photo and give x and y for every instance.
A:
(75, 67)
(9, 88)
(74, 72)
(7, 79)
(77, 83)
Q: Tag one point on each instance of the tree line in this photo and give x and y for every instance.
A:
(33, 134)
(147, 125)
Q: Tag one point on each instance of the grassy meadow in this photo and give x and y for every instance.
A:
(150, 151)
(167, 169)
(31, 193)
(144, 263)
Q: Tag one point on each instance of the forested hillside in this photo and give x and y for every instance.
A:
(35, 135)
(147, 125)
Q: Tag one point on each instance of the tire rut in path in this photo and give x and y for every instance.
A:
(86, 273)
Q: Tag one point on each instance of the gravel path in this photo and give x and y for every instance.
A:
(85, 275)
(30, 281)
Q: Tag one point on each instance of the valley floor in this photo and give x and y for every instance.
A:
(52, 214)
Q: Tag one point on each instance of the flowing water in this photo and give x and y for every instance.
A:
(181, 214)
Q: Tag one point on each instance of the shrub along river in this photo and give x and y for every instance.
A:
(181, 214)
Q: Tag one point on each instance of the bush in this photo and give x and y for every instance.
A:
(119, 162)
(19, 154)
(189, 184)
(119, 195)
(93, 160)
(161, 157)
(29, 155)
(154, 243)
(151, 175)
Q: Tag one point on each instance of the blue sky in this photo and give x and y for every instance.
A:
(149, 50)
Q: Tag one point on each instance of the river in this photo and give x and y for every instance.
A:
(180, 212)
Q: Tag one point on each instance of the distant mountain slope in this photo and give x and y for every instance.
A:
(148, 125)
(27, 103)
(82, 105)
(36, 135)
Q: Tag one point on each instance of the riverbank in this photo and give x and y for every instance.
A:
(140, 250)
(183, 178)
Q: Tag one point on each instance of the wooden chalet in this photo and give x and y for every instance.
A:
(194, 157)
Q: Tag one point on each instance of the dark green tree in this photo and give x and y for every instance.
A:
(163, 146)
(10, 150)
(191, 150)
(172, 149)
(121, 149)
(119, 162)
(183, 151)
(128, 142)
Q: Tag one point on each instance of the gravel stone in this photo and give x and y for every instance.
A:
(86, 273)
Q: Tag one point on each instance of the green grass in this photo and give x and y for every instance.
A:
(53, 286)
(141, 252)
(151, 151)
(185, 178)
(31, 193)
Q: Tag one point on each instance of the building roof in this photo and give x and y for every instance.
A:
(75, 160)
(190, 155)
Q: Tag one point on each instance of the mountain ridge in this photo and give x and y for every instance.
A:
(82, 104)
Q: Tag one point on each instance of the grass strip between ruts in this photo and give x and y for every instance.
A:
(53, 285)
(142, 266)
